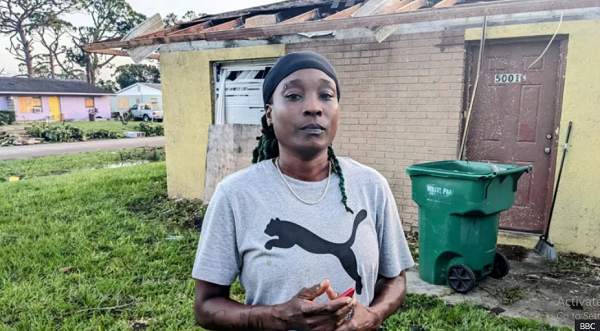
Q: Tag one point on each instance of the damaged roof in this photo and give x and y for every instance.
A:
(21, 85)
(298, 16)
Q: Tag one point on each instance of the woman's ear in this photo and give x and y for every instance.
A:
(268, 114)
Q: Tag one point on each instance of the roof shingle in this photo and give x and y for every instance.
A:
(43, 85)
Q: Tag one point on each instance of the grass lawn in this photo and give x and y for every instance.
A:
(108, 125)
(91, 251)
(60, 164)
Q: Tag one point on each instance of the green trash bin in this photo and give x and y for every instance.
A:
(459, 213)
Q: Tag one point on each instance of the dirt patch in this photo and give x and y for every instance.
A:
(576, 267)
(139, 325)
(176, 212)
(513, 252)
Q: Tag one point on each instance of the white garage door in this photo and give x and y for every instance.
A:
(238, 91)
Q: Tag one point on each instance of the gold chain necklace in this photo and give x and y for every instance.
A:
(294, 193)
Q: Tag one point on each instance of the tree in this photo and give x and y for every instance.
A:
(191, 15)
(50, 37)
(110, 19)
(108, 85)
(172, 19)
(19, 18)
(130, 74)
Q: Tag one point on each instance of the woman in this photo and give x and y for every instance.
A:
(280, 225)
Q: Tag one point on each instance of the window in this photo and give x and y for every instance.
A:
(123, 103)
(238, 91)
(37, 105)
(89, 103)
(30, 105)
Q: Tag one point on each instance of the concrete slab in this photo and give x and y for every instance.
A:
(414, 285)
(534, 288)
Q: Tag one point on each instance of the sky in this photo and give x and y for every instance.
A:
(148, 8)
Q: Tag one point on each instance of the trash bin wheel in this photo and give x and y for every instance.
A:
(461, 278)
(501, 266)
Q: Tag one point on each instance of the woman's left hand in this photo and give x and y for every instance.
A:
(362, 319)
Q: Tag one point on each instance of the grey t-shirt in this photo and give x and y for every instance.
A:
(255, 228)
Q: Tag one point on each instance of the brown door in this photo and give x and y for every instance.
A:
(514, 120)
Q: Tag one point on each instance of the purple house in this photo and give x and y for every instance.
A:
(34, 99)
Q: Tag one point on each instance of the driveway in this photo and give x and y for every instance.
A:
(24, 152)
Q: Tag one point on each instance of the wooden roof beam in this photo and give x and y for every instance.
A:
(385, 31)
(372, 7)
(261, 20)
(192, 29)
(230, 25)
(395, 7)
(121, 53)
(160, 33)
(311, 15)
(412, 6)
(348, 12)
(420, 16)
(445, 3)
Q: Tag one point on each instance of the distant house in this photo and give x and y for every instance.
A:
(35, 99)
(137, 93)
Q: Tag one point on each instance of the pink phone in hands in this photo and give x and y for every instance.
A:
(349, 293)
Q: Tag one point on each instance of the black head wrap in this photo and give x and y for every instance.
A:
(293, 62)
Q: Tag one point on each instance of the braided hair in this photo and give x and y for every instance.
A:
(268, 148)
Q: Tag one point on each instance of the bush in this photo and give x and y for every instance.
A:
(151, 154)
(104, 134)
(151, 130)
(7, 116)
(59, 133)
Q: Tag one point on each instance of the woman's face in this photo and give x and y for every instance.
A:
(304, 111)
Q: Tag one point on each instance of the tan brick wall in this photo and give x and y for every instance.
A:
(401, 103)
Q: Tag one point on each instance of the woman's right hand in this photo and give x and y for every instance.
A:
(302, 313)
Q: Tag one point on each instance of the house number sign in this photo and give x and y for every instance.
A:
(508, 78)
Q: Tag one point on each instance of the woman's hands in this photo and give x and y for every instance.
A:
(362, 318)
(302, 313)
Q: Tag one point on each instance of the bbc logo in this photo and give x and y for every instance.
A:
(587, 325)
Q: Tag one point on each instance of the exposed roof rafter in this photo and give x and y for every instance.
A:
(348, 12)
(225, 26)
(394, 8)
(304, 17)
(160, 33)
(445, 3)
(385, 31)
(192, 29)
(419, 16)
(121, 53)
(261, 20)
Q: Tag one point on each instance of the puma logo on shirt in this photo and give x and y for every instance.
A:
(291, 234)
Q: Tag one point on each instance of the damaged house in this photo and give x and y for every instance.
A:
(413, 74)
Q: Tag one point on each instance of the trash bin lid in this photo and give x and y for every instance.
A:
(468, 170)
